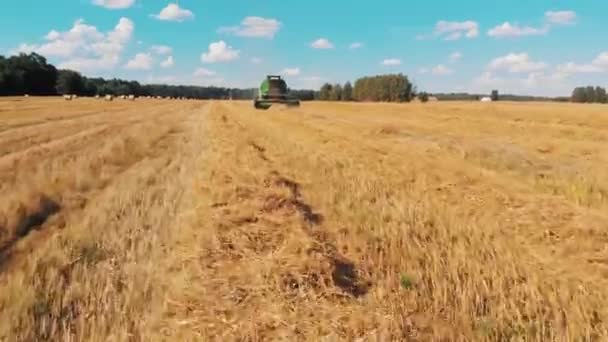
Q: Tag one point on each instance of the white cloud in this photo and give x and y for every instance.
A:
(455, 57)
(202, 72)
(487, 78)
(220, 52)
(356, 45)
(256, 27)
(256, 60)
(322, 43)
(423, 71)
(516, 63)
(167, 63)
(441, 70)
(114, 4)
(453, 30)
(514, 30)
(561, 17)
(174, 13)
(601, 60)
(573, 68)
(84, 48)
(141, 61)
(391, 61)
(291, 71)
(599, 64)
(161, 49)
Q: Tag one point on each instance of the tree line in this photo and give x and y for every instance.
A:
(381, 88)
(589, 95)
(32, 74)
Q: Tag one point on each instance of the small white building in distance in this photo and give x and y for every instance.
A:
(486, 99)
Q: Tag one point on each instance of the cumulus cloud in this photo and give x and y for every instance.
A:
(255, 27)
(441, 70)
(161, 49)
(454, 30)
(356, 45)
(455, 57)
(114, 4)
(220, 52)
(561, 17)
(391, 62)
(599, 64)
(291, 71)
(167, 63)
(322, 43)
(514, 30)
(141, 61)
(83, 47)
(516, 63)
(174, 13)
(202, 72)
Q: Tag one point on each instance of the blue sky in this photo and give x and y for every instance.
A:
(525, 47)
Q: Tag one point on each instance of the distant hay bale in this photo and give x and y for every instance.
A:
(26, 95)
(67, 97)
(97, 96)
(131, 97)
(109, 98)
(433, 98)
(486, 99)
(124, 97)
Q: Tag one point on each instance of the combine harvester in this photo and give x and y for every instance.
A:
(273, 90)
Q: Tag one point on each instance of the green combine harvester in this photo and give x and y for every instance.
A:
(273, 90)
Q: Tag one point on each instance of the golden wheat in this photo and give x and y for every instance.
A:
(212, 221)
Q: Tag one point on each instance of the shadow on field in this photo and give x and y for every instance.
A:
(23, 220)
(344, 272)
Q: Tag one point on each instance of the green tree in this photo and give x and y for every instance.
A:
(325, 92)
(336, 93)
(579, 95)
(600, 95)
(70, 82)
(591, 96)
(424, 97)
(347, 92)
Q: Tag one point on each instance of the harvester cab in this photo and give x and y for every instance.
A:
(273, 90)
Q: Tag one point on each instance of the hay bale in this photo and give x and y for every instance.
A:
(109, 98)
(67, 97)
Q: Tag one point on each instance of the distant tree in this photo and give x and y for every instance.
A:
(579, 95)
(495, 96)
(391, 87)
(325, 92)
(336, 93)
(423, 97)
(70, 82)
(600, 95)
(347, 92)
(591, 96)
(27, 74)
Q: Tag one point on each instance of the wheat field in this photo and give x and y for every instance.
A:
(161, 220)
